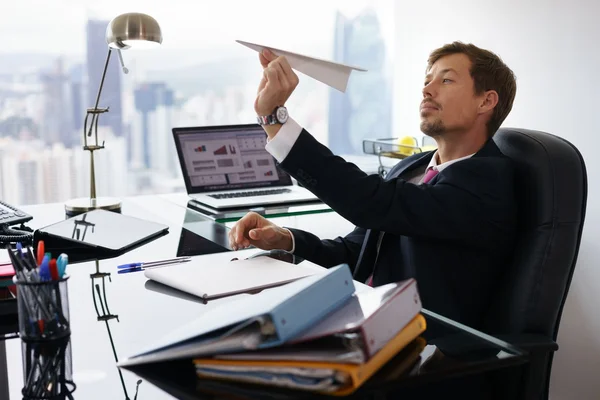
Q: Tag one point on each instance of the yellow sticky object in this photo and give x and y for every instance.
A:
(408, 145)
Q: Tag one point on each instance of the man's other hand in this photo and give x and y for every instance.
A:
(277, 84)
(253, 229)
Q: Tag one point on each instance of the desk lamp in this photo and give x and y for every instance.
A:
(125, 31)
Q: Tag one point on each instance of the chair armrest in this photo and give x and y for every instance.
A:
(530, 342)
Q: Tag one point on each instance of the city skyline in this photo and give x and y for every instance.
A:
(364, 110)
(43, 100)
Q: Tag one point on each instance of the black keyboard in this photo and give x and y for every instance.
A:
(249, 194)
(10, 215)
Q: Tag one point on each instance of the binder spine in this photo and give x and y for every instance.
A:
(391, 318)
(309, 306)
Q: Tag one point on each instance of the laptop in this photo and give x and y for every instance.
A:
(227, 167)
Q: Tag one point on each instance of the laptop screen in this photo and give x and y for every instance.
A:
(227, 157)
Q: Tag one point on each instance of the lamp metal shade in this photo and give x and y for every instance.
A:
(133, 29)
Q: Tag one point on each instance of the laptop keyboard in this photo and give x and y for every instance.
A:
(249, 193)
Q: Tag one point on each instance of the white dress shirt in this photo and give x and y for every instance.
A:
(440, 167)
(282, 143)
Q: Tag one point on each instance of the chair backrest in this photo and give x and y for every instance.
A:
(551, 183)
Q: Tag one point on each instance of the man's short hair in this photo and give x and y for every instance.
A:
(489, 73)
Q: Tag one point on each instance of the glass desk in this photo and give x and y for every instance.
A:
(267, 212)
(117, 315)
(447, 358)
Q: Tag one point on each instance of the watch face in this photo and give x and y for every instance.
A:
(282, 115)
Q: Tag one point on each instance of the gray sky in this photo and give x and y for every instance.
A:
(58, 26)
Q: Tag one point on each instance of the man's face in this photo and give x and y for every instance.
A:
(449, 101)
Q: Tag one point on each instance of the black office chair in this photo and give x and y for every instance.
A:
(552, 194)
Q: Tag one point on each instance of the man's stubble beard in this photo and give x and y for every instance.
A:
(433, 129)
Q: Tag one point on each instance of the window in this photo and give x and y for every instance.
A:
(53, 63)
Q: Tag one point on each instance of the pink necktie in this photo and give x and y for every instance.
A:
(430, 174)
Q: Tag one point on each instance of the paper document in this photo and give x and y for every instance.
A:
(217, 279)
(330, 73)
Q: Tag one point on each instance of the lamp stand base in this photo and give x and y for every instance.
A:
(85, 204)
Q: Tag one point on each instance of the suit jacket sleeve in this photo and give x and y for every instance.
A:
(469, 201)
(329, 253)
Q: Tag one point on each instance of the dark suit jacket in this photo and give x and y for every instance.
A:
(454, 235)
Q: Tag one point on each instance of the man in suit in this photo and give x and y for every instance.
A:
(446, 218)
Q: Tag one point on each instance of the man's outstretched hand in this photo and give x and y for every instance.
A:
(276, 86)
(255, 230)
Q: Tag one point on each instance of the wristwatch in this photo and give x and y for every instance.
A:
(279, 116)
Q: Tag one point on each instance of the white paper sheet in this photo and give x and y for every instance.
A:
(330, 73)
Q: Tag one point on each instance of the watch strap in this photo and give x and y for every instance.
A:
(267, 119)
(271, 119)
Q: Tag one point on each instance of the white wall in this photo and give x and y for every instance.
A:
(554, 49)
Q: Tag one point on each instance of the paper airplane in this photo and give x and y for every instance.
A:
(330, 73)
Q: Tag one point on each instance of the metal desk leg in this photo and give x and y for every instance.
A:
(3, 371)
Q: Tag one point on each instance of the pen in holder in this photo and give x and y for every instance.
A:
(42, 296)
(47, 370)
(43, 309)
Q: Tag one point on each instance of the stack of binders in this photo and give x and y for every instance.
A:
(316, 334)
(337, 355)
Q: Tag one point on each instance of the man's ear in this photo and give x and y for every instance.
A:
(488, 102)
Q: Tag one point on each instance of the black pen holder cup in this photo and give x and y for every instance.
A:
(43, 309)
(47, 369)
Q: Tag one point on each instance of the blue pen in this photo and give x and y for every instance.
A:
(154, 263)
(44, 269)
(126, 271)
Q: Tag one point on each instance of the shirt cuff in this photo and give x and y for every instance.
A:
(293, 241)
(282, 143)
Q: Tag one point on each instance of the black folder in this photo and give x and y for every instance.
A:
(98, 234)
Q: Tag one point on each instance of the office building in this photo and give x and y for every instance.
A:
(22, 172)
(32, 173)
(77, 82)
(365, 109)
(112, 174)
(57, 126)
(57, 174)
(152, 141)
